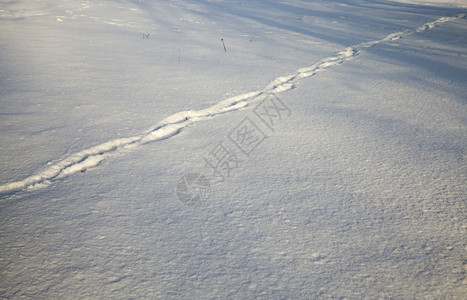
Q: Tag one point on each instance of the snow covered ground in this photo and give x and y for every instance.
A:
(338, 129)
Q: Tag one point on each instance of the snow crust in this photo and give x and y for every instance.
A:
(355, 188)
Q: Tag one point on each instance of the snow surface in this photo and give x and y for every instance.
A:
(356, 191)
(445, 3)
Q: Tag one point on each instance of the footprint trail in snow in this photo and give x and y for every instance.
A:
(173, 124)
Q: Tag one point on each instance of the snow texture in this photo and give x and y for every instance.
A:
(357, 192)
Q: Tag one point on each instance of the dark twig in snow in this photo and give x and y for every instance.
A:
(225, 50)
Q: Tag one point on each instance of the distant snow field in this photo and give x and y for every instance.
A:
(233, 149)
(439, 3)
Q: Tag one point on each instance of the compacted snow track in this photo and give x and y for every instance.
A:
(170, 126)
